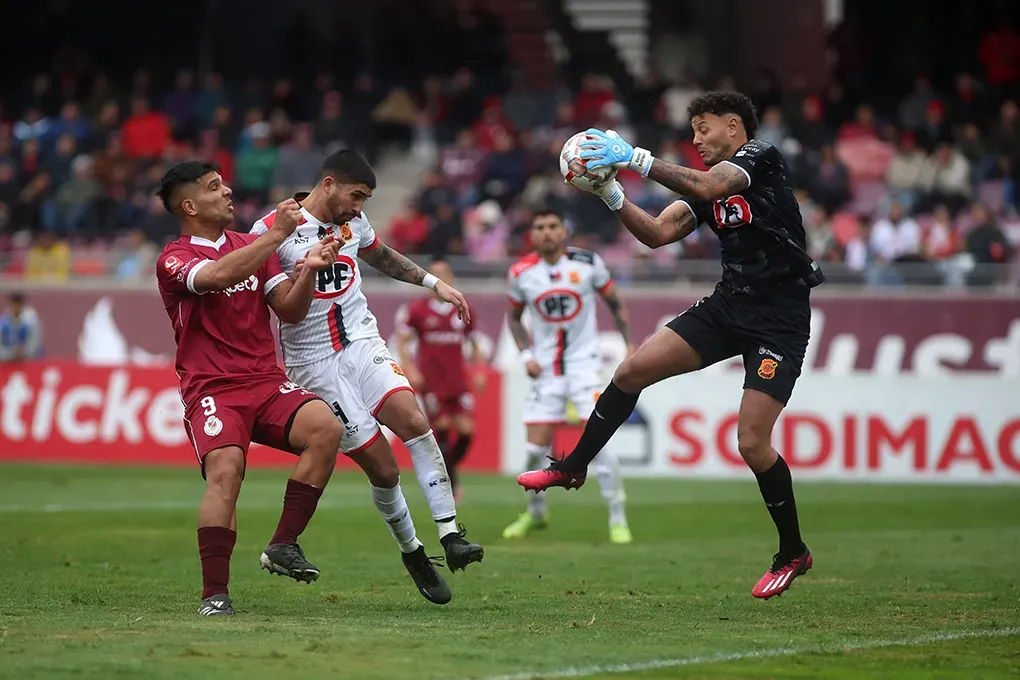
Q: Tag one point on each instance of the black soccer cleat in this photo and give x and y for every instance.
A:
(422, 569)
(288, 559)
(460, 553)
(216, 605)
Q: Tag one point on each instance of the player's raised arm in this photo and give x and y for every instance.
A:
(384, 259)
(290, 300)
(238, 265)
(674, 223)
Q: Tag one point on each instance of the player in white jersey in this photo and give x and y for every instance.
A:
(558, 285)
(337, 353)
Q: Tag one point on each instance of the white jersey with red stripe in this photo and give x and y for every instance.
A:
(339, 312)
(560, 300)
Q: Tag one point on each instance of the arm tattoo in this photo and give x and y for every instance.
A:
(620, 316)
(393, 264)
(684, 225)
(271, 295)
(724, 179)
(517, 329)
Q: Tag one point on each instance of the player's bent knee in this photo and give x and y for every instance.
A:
(628, 376)
(324, 439)
(753, 445)
(224, 470)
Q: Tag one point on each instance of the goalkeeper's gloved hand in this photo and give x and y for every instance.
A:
(610, 149)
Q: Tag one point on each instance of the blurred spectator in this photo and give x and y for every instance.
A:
(491, 125)
(297, 166)
(905, 174)
(68, 211)
(58, 167)
(940, 238)
(106, 122)
(968, 103)
(211, 98)
(913, 106)
(946, 178)
(136, 258)
(935, 129)
(256, 165)
(987, 244)
(146, 132)
(676, 99)
(446, 237)
(210, 149)
(462, 167)
(811, 130)
(72, 123)
(828, 180)
(863, 125)
(49, 259)
(331, 131)
(34, 125)
(393, 119)
(89, 258)
(895, 237)
(408, 231)
(486, 233)
(20, 331)
(595, 91)
(999, 51)
(860, 254)
(507, 172)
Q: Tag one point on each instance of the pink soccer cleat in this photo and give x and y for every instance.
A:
(540, 480)
(780, 575)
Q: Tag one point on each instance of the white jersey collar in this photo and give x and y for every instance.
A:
(199, 241)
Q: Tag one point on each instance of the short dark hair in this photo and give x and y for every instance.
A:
(544, 212)
(17, 298)
(180, 175)
(719, 103)
(348, 167)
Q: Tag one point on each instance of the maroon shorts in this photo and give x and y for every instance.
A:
(450, 405)
(255, 408)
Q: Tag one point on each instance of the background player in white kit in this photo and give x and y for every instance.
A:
(557, 285)
(337, 353)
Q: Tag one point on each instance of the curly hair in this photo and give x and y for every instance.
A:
(719, 103)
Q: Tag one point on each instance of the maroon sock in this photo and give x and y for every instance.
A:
(298, 507)
(215, 545)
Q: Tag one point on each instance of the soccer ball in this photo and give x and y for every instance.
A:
(575, 170)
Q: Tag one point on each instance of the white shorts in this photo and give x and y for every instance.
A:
(354, 382)
(548, 398)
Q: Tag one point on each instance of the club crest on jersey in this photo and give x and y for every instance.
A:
(397, 369)
(345, 232)
(767, 370)
(732, 212)
(575, 278)
(213, 426)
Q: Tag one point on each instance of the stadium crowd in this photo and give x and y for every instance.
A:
(931, 179)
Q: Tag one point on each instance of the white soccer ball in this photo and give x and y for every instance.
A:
(575, 170)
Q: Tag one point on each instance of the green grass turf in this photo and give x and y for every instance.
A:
(100, 580)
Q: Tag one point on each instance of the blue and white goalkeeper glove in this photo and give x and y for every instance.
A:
(612, 195)
(610, 149)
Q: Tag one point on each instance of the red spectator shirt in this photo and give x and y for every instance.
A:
(441, 337)
(222, 336)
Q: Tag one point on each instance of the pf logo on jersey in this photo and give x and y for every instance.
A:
(732, 212)
(558, 305)
(334, 281)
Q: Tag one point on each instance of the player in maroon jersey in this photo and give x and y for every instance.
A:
(439, 371)
(217, 286)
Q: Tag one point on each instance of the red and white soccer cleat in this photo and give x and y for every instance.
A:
(540, 480)
(780, 575)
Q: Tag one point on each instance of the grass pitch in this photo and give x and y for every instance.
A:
(101, 580)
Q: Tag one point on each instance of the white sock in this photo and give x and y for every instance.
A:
(536, 459)
(393, 508)
(607, 472)
(430, 468)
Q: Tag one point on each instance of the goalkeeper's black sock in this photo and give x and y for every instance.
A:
(611, 411)
(776, 486)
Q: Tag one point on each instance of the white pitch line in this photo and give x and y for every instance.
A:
(583, 671)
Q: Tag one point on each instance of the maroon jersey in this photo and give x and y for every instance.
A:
(222, 336)
(441, 335)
